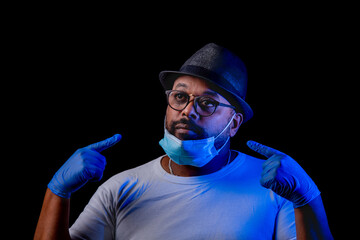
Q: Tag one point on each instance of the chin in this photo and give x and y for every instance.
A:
(188, 136)
(183, 136)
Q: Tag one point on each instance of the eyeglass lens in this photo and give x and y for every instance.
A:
(205, 106)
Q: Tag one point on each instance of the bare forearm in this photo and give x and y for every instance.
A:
(54, 218)
(311, 221)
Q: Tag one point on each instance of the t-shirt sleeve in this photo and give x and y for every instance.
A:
(97, 220)
(285, 221)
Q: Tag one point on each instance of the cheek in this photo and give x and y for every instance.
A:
(170, 115)
(217, 125)
(210, 129)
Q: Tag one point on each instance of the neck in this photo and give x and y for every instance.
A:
(214, 165)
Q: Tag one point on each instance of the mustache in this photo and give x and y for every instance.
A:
(189, 123)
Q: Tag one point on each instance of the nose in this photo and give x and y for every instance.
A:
(190, 111)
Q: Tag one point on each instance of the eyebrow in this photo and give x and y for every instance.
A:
(207, 92)
(181, 85)
(211, 93)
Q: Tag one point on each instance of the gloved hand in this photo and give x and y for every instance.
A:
(85, 164)
(285, 176)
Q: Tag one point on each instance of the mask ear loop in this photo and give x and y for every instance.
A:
(227, 140)
(226, 126)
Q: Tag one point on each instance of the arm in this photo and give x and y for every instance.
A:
(311, 221)
(54, 218)
(285, 177)
(85, 164)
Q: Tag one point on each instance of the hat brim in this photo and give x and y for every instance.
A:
(167, 79)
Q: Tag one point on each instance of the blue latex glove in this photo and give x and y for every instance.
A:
(85, 164)
(285, 176)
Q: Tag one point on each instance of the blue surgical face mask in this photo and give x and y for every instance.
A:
(196, 153)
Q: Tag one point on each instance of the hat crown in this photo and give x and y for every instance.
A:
(222, 69)
(217, 60)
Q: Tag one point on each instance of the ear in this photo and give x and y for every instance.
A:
(236, 123)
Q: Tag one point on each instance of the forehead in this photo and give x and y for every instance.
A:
(194, 85)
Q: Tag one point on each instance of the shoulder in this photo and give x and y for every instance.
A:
(251, 169)
(252, 160)
(249, 163)
(128, 179)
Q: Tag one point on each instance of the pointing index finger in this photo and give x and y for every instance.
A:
(262, 149)
(102, 145)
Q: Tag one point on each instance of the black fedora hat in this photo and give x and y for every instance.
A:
(222, 69)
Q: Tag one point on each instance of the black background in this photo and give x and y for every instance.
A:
(78, 77)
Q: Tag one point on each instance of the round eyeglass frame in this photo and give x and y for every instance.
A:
(217, 103)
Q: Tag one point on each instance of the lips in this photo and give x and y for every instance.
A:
(185, 129)
(183, 126)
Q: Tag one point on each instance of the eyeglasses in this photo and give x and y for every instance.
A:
(205, 106)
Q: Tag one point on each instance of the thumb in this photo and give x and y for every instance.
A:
(102, 145)
(262, 149)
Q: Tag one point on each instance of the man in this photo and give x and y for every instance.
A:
(200, 189)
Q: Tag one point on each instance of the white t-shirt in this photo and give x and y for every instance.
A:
(148, 203)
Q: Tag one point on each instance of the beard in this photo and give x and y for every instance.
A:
(198, 132)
